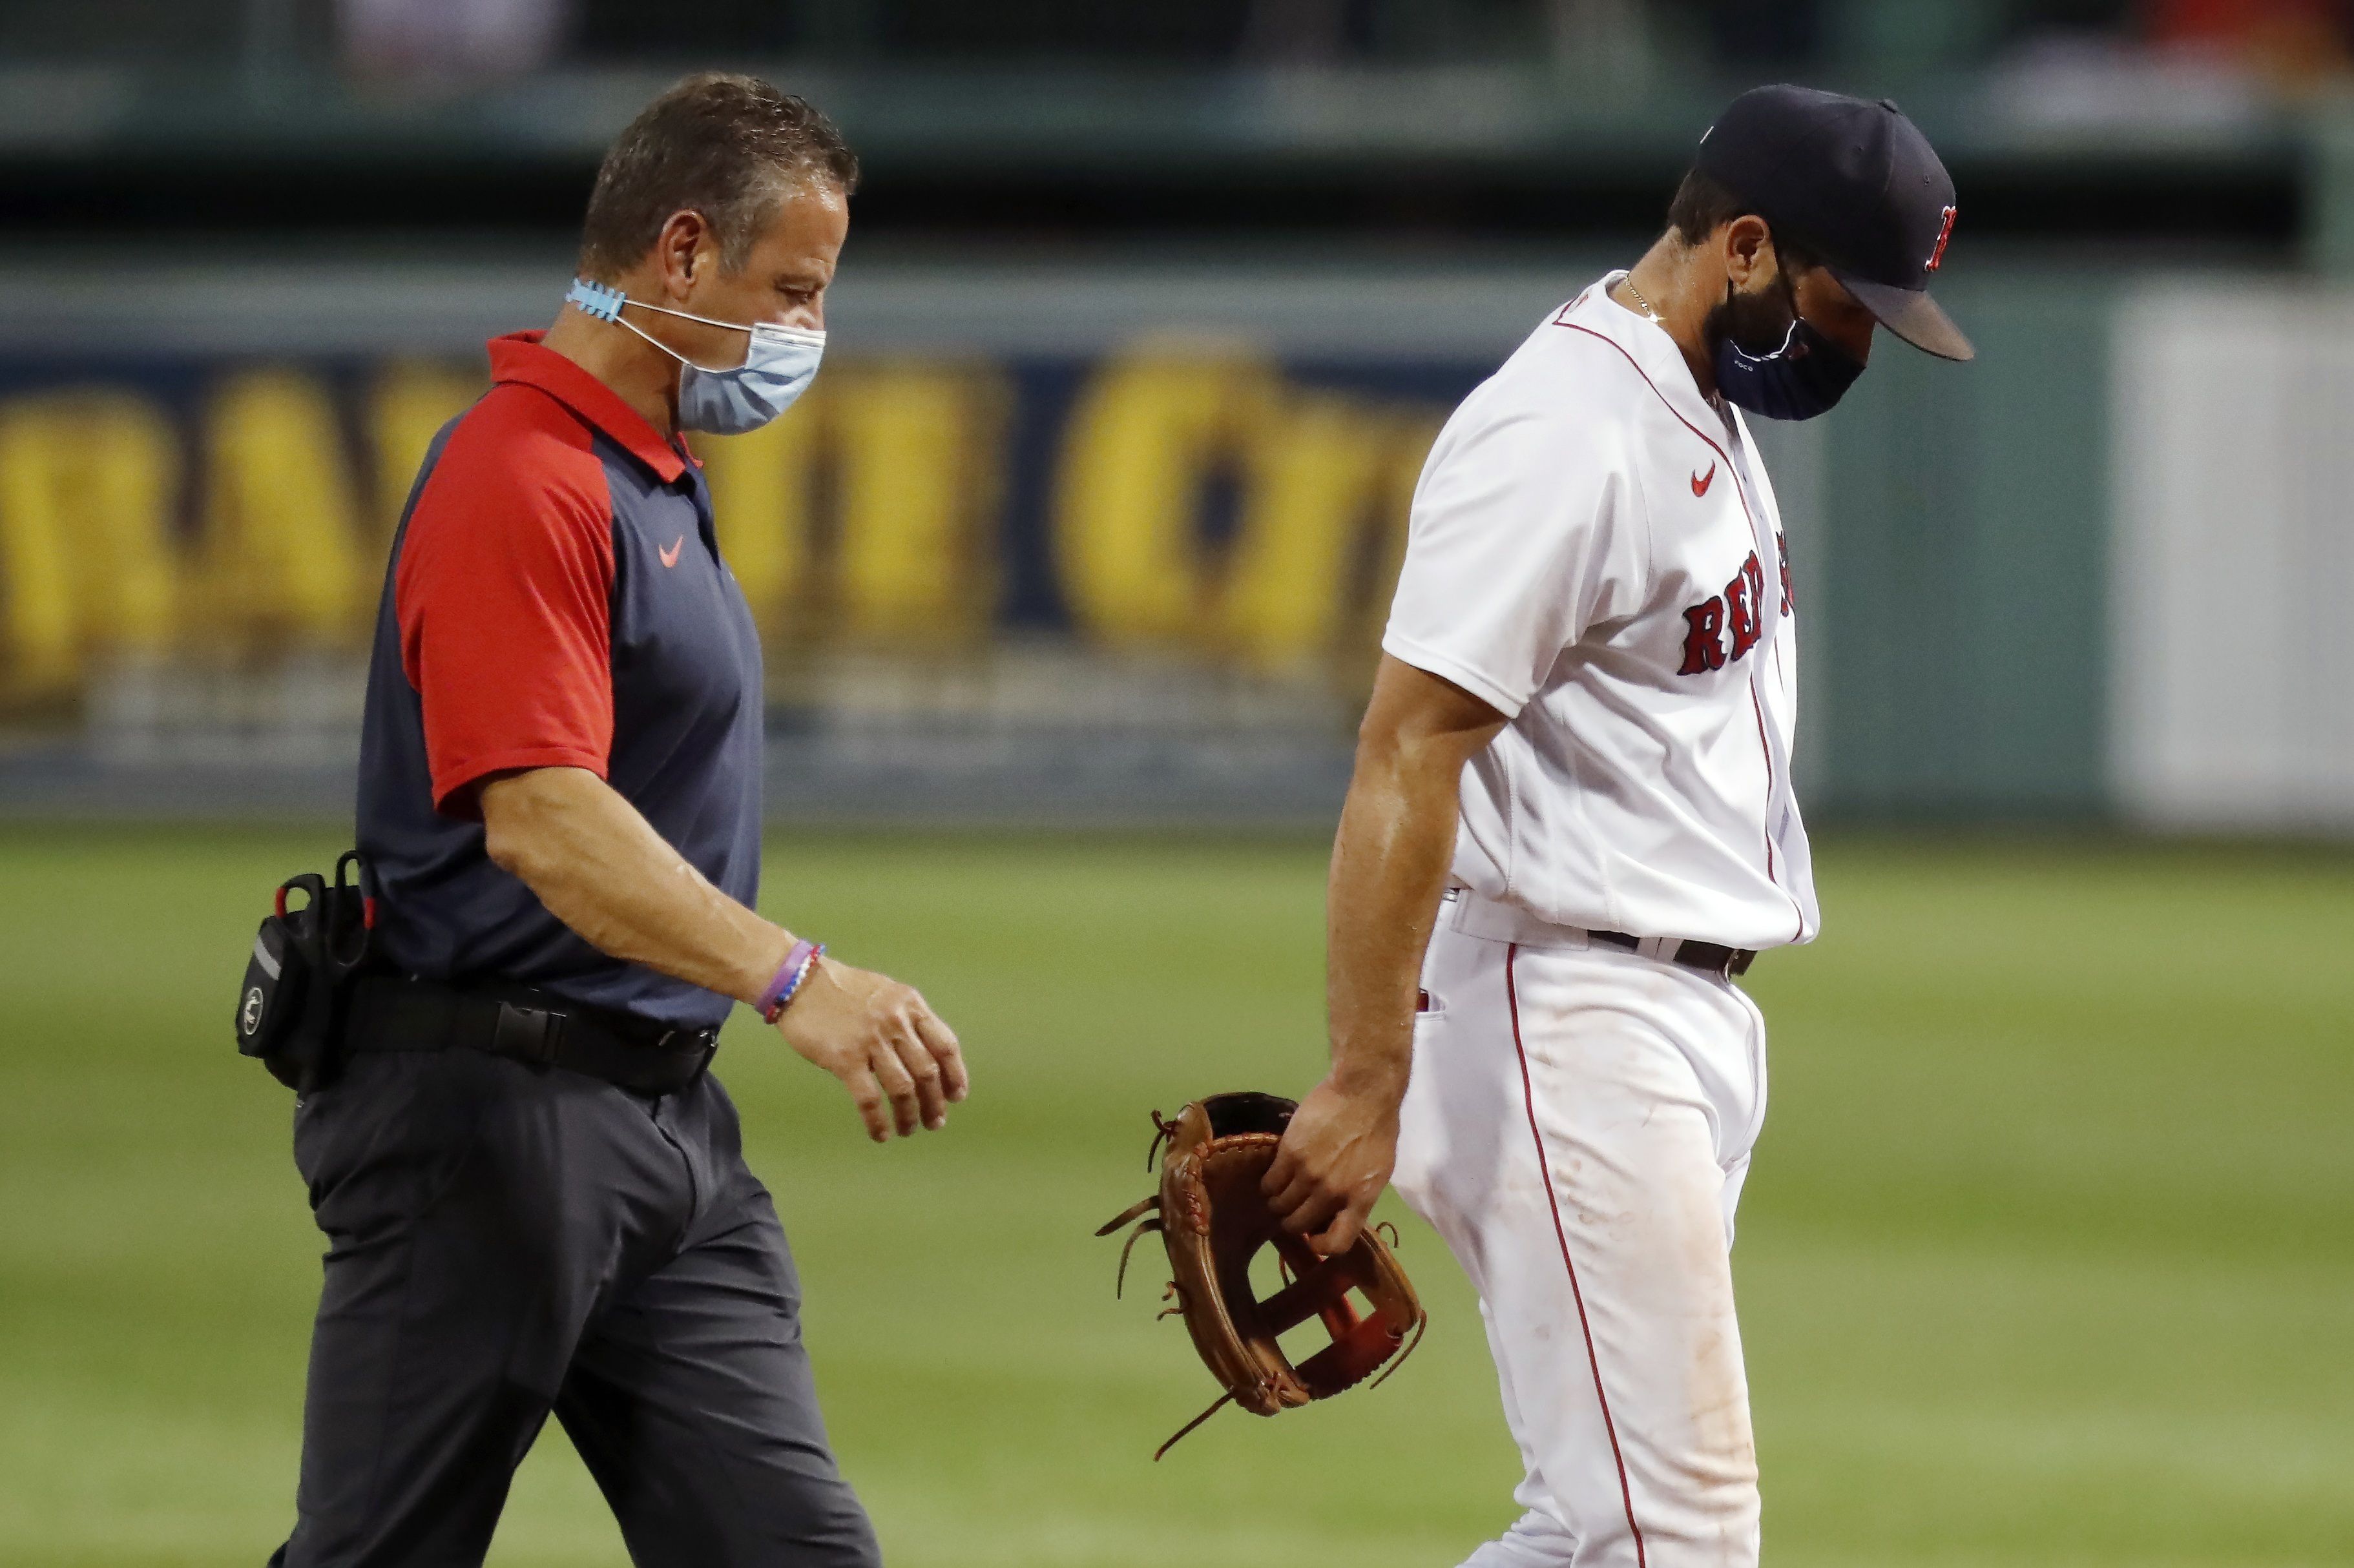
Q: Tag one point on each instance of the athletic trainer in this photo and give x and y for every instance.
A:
(535, 1192)
(1572, 828)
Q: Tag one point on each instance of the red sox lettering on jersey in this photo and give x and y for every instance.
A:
(1737, 610)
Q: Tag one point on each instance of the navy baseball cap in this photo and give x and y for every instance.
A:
(1854, 181)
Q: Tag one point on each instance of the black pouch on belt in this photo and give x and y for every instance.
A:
(290, 1008)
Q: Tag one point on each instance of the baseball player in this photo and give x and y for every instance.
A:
(1571, 826)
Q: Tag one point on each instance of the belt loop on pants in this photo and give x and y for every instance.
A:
(528, 1033)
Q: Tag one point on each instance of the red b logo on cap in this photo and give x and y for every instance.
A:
(1945, 232)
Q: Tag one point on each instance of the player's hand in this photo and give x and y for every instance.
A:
(899, 1062)
(1334, 1161)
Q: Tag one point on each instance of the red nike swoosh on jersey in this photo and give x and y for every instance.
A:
(670, 556)
(1701, 482)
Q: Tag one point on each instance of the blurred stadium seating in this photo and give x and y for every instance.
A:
(1148, 315)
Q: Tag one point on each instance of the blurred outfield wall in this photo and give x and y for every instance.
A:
(1115, 540)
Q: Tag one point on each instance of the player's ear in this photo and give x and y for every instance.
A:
(1748, 249)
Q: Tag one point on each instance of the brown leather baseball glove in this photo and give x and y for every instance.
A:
(1214, 1220)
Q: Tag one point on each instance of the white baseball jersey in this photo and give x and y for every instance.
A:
(1595, 550)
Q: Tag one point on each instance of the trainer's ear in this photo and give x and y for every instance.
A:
(684, 249)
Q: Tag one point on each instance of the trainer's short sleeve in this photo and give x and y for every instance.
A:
(503, 593)
(1525, 532)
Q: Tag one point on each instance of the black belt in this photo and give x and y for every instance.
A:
(1714, 956)
(391, 1014)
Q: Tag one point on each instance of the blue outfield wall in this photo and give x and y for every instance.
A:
(1964, 523)
(1122, 522)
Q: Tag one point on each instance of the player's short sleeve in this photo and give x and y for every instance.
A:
(1525, 532)
(503, 593)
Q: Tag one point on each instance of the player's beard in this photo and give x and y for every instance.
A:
(1758, 322)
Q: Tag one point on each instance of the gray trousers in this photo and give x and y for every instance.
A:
(507, 1240)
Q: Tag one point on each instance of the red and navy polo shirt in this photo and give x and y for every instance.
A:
(555, 598)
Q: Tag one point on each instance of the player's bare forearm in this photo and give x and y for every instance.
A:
(1389, 865)
(602, 870)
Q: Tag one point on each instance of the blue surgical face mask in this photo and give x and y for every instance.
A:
(777, 367)
(1797, 380)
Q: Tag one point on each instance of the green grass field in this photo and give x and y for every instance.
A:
(2047, 1257)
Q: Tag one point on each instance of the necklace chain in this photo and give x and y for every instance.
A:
(1648, 310)
(1715, 399)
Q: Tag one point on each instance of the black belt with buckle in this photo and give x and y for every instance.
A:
(1714, 956)
(392, 1013)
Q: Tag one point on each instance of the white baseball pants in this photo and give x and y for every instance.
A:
(1577, 1127)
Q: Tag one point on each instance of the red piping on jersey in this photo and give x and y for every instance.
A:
(1758, 708)
(1529, 1098)
(1750, 518)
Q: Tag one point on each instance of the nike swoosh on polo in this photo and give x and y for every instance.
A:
(1701, 482)
(670, 556)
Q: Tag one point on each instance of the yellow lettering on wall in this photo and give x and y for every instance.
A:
(916, 448)
(281, 524)
(410, 404)
(87, 482)
(763, 488)
(1319, 472)
(1325, 480)
(911, 456)
(1412, 434)
(1142, 439)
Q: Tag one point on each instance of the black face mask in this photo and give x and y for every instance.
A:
(1771, 362)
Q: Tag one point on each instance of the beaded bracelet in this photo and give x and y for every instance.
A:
(779, 993)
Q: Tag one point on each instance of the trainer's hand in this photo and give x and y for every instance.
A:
(1334, 1161)
(882, 1041)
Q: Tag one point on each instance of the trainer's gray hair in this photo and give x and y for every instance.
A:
(729, 147)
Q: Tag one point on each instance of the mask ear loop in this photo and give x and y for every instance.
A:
(1790, 336)
(604, 304)
(1790, 340)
